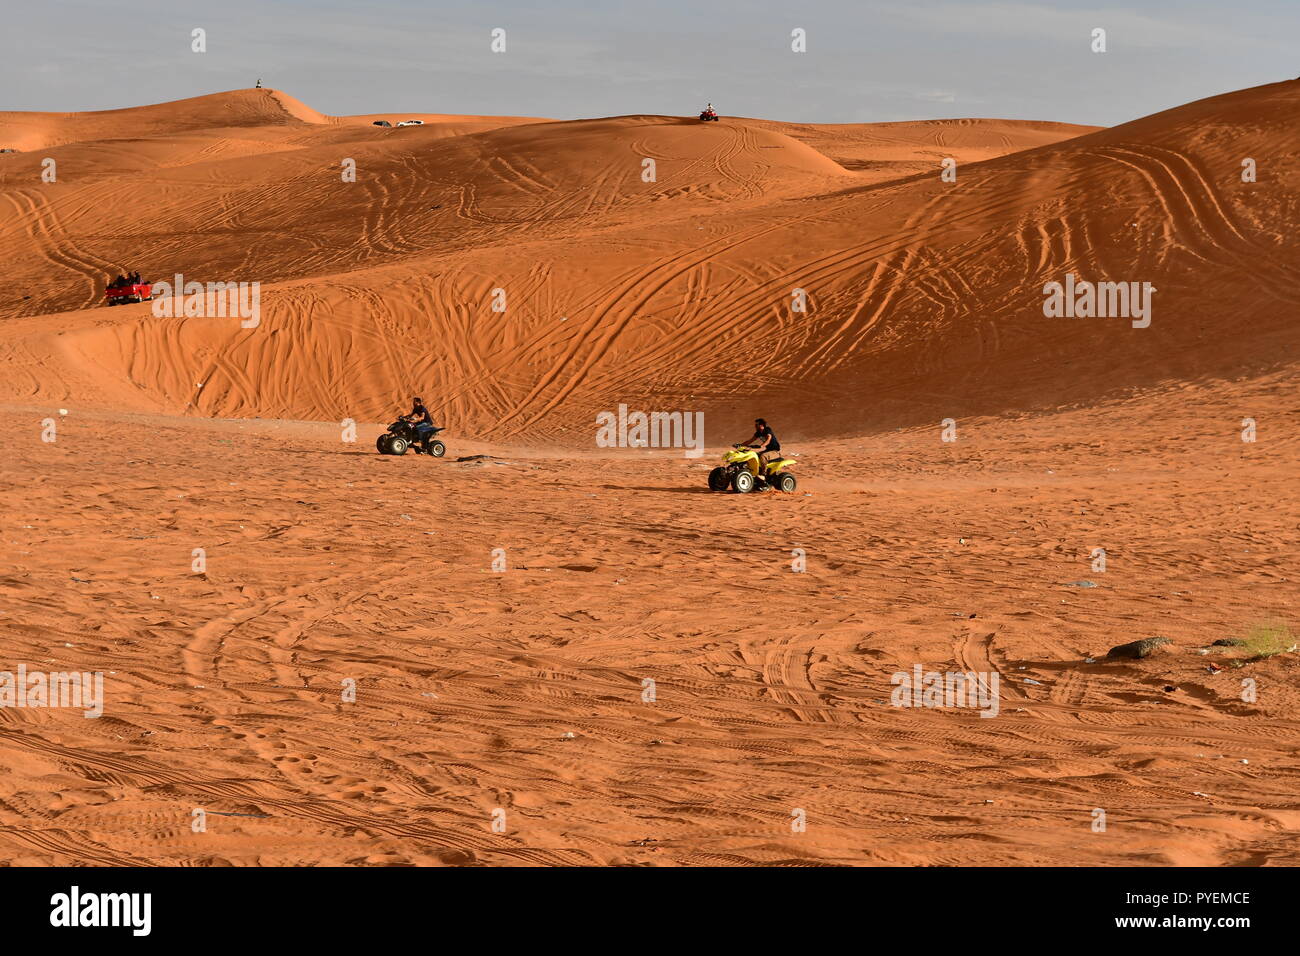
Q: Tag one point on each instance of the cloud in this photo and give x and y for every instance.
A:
(1212, 27)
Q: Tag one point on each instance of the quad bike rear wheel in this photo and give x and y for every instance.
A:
(435, 448)
(718, 480)
(381, 443)
(743, 482)
(785, 482)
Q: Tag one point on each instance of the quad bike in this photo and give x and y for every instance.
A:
(743, 472)
(708, 115)
(401, 435)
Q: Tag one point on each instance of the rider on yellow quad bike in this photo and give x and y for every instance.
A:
(764, 441)
(756, 463)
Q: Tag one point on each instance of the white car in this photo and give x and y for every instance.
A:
(411, 123)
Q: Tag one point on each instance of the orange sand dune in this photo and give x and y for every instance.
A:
(882, 151)
(249, 185)
(501, 613)
(246, 109)
(676, 290)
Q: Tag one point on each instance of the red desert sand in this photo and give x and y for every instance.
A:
(559, 653)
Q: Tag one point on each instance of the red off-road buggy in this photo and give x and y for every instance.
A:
(122, 294)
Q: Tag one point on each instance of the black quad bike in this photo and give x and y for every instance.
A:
(401, 435)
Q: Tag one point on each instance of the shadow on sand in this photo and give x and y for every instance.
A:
(693, 490)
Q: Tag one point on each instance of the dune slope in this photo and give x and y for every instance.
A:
(374, 286)
(921, 297)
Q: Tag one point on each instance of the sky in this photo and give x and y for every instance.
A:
(865, 61)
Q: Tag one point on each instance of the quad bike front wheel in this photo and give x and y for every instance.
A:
(742, 482)
(397, 445)
(785, 482)
(718, 479)
(435, 448)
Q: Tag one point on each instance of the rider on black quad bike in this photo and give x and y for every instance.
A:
(414, 429)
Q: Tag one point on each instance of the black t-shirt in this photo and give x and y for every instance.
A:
(766, 432)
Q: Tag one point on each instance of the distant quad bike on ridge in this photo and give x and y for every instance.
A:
(742, 472)
(709, 114)
(401, 435)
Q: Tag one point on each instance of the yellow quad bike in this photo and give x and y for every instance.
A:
(743, 472)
